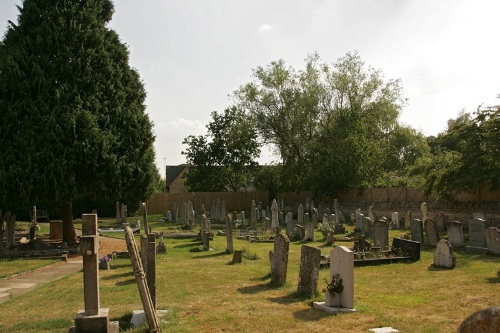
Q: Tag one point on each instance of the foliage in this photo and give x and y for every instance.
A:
(224, 158)
(465, 156)
(334, 126)
(73, 114)
(334, 286)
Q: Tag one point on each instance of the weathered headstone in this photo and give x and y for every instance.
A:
(367, 227)
(359, 219)
(229, 234)
(337, 211)
(236, 257)
(423, 209)
(380, 234)
(253, 216)
(118, 214)
(408, 220)
(289, 224)
(330, 237)
(189, 215)
(455, 234)
(169, 216)
(223, 211)
(483, 321)
(325, 220)
(243, 218)
(443, 255)
(161, 248)
(310, 257)
(431, 232)
(477, 242)
(492, 237)
(331, 220)
(11, 231)
(308, 205)
(314, 219)
(395, 219)
(182, 210)
(416, 230)
(371, 214)
(300, 215)
(274, 215)
(281, 218)
(309, 228)
(279, 260)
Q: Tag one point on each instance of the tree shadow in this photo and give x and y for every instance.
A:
(289, 299)
(126, 282)
(120, 266)
(493, 280)
(217, 254)
(433, 268)
(310, 314)
(180, 246)
(116, 276)
(254, 289)
(263, 278)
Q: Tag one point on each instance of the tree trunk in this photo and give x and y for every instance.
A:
(69, 234)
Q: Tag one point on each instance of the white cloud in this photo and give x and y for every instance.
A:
(180, 123)
(266, 27)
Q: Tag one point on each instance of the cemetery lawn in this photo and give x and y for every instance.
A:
(9, 267)
(204, 292)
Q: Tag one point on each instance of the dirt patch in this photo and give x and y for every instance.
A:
(108, 245)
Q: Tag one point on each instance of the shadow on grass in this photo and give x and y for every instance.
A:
(254, 289)
(310, 314)
(437, 269)
(493, 280)
(192, 244)
(218, 254)
(126, 282)
(116, 276)
(263, 278)
(121, 266)
(288, 299)
(326, 245)
(123, 321)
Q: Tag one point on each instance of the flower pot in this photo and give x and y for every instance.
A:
(104, 265)
(332, 301)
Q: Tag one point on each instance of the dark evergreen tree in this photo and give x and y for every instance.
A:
(73, 114)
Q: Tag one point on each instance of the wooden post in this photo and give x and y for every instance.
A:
(144, 252)
(145, 217)
(89, 246)
(141, 282)
(151, 268)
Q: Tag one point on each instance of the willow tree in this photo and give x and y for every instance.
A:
(72, 109)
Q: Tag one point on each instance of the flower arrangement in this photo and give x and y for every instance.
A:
(335, 286)
(104, 259)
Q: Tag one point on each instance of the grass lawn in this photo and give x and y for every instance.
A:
(204, 292)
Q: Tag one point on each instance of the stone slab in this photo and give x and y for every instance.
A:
(138, 318)
(384, 330)
(92, 323)
(476, 250)
(331, 309)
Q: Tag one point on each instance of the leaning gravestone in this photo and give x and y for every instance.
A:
(380, 234)
(416, 230)
(484, 321)
(431, 231)
(279, 259)
(455, 234)
(310, 257)
(492, 237)
(341, 267)
(476, 236)
(443, 255)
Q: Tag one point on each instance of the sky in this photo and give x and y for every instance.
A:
(192, 54)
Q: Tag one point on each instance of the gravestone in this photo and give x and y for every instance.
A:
(341, 266)
(483, 321)
(11, 231)
(416, 230)
(309, 225)
(330, 237)
(300, 215)
(331, 220)
(259, 211)
(274, 215)
(223, 211)
(169, 216)
(243, 218)
(371, 214)
(253, 216)
(161, 248)
(455, 234)
(367, 227)
(314, 219)
(395, 219)
(337, 211)
(93, 318)
(359, 219)
(281, 220)
(183, 213)
(236, 257)
(279, 259)
(189, 215)
(477, 242)
(325, 221)
(289, 224)
(408, 220)
(229, 234)
(118, 214)
(423, 209)
(310, 257)
(308, 205)
(145, 217)
(492, 237)
(431, 232)
(266, 223)
(380, 234)
(443, 255)
(441, 221)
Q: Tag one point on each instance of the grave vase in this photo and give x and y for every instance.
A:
(332, 301)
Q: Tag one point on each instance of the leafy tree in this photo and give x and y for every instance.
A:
(73, 114)
(330, 123)
(224, 158)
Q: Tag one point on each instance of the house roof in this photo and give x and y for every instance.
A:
(173, 171)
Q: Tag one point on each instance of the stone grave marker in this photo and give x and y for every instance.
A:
(281, 218)
(11, 231)
(325, 220)
(380, 234)
(337, 211)
(408, 220)
(330, 237)
(243, 218)
(289, 224)
(300, 215)
(183, 213)
(443, 255)
(310, 257)
(229, 234)
(145, 217)
(455, 234)
(308, 205)
(416, 230)
(423, 209)
(483, 321)
(341, 267)
(395, 219)
(169, 216)
(314, 219)
(477, 242)
(279, 259)
(331, 220)
(367, 228)
(274, 215)
(492, 237)
(371, 214)
(161, 248)
(118, 214)
(431, 232)
(253, 216)
(189, 215)
(359, 219)
(223, 211)
(309, 227)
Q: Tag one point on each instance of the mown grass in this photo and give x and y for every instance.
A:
(203, 292)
